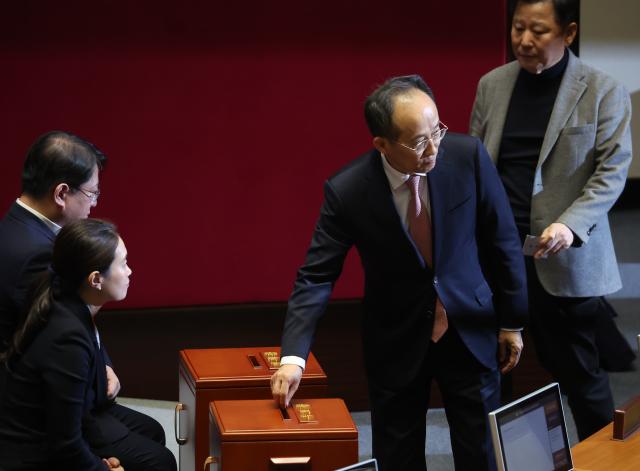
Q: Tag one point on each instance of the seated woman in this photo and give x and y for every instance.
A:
(54, 410)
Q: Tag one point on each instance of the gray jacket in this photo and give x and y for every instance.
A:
(581, 171)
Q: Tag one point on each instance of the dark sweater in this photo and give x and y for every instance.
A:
(525, 126)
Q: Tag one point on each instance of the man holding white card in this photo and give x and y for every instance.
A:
(558, 131)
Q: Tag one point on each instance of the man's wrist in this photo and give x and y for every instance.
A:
(293, 360)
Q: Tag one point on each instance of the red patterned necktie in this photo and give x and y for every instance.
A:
(420, 230)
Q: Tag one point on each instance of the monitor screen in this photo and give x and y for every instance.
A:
(530, 434)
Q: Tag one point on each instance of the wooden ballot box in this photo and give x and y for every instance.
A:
(227, 373)
(311, 435)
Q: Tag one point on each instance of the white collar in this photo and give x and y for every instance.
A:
(396, 178)
(55, 228)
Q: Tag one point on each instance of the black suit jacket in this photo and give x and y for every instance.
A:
(54, 400)
(25, 250)
(478, 270)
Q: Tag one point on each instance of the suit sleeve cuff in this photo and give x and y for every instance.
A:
(293, 360)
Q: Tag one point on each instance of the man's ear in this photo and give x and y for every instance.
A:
(94, 280)
(60, 193)
(381, 144)
(570, 33)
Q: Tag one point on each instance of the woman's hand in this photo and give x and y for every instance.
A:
(113, 383)
(113, 463)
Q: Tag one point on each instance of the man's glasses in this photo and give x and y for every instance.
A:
(435, 139)
(92, 195)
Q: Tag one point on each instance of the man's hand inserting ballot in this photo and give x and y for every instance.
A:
(284, 384)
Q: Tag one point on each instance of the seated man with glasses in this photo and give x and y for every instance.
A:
(445, 294)
(59, 185)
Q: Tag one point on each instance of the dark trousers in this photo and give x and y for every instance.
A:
(470, 391)
(143, 448)
(615, 352)
(564, 333)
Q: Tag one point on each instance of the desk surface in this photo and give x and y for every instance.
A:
(600, 453)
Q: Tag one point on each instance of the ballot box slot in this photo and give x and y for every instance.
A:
(254, 362)
(285, 414)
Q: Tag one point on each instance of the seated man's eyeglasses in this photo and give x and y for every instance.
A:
(435, 138)
(92, 195)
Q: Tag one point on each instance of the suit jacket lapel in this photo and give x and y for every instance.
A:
(380, 196)
(498, 109)
(571, 89)
(440, 185)
(101, 379)
(98, 381)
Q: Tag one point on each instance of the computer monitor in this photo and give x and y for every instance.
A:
(367, 465)
(530, 434)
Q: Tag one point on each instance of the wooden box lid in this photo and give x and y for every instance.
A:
(261, 419)
(240, 367)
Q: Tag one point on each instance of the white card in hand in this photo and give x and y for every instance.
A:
(531, 245)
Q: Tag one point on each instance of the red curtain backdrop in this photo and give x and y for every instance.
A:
(222, 120)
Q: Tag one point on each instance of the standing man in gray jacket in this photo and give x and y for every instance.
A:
(558, 131)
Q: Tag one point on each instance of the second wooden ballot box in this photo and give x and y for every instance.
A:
(311, 435)
(210, 374)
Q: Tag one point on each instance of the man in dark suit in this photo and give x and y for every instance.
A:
(60, 184)
(445, 294)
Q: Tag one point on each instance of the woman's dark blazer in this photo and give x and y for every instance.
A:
(54, 397)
